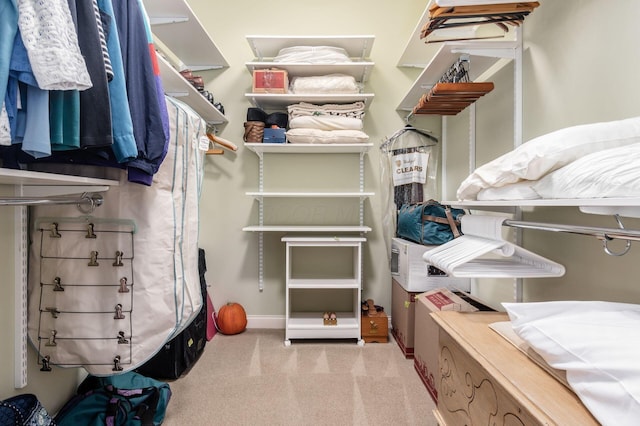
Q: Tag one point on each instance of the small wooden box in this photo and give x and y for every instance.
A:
(375, 328)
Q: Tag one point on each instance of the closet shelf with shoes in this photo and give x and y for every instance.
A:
(185, 46)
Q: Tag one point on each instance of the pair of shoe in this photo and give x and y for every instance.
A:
(209, 96)
(195, 80)
(330, 318)
(216, 105)
(368, 308)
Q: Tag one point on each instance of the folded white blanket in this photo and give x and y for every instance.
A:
(326, 136)
(331, 83)
(326, 122)
(312, 55)
(301, 109)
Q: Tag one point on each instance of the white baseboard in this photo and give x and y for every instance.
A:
(265, 321)
(273, 321)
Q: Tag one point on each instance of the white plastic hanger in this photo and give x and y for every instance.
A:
(482, 253)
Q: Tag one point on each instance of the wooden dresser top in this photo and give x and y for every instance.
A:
(522, 378)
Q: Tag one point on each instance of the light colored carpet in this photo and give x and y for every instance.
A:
(253, 379)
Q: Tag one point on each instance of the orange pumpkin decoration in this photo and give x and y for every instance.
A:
(232, 319)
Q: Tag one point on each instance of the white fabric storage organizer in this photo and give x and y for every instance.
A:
(156, 229)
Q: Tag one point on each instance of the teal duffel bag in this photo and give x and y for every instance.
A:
(429, 223)
(128, 399)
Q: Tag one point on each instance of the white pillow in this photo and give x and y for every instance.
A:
(539, 156)
(326, 136)
(332, 83)
(596, 343)
(513, 191)
(610, 173)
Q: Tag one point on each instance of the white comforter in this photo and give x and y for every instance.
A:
(592, 160)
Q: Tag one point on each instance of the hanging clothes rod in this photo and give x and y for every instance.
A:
(91, 199)
(600, 233)
(603, 234)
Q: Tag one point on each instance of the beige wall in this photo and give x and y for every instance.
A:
(579, 68)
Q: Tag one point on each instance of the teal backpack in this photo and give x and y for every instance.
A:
(120, 400)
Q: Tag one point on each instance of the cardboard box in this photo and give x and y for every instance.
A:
(375, 328)
(270, 81)
(403, 317)
(410, 270)
(425, 356)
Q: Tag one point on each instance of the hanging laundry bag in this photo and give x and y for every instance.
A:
(108, 289)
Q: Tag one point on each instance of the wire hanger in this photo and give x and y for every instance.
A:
(458, 72)
(410, 128)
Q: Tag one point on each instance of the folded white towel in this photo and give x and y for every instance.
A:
(326, 136)
(326, 122)
(355, 110)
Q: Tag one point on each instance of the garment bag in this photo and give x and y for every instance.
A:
(408, 163)
(106, 295)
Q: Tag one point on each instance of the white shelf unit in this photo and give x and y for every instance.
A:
(310, 148)
(358, 69)
(279, 101)
(176, 86)
(68, 183)
(417, 50)
(299, 323)
(310, 325)
(176, 28)
(485, 58)
(260, 149)
(265, 48)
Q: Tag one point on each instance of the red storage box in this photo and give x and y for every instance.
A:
(270, 81)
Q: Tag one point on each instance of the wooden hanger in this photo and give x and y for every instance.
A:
(453, 92)
(214, 151)
(451, 98)
(220, 141)
(500, 15)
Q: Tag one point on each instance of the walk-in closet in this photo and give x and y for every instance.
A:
(423, 212)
